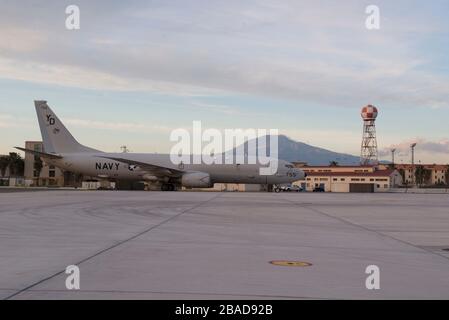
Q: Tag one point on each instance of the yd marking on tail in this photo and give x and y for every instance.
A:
(50, 120)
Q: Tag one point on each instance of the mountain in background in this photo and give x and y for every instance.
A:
(291, 150)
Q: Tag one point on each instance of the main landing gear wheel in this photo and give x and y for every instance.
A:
(168, 187)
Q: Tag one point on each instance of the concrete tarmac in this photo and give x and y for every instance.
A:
(209, 245)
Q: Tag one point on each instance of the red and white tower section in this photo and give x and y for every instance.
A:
(368, 153)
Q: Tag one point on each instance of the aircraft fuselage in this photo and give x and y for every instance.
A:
(95, 165)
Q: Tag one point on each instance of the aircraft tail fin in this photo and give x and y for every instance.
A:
(55, 136)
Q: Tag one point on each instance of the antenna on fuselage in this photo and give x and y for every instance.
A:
(124, 149)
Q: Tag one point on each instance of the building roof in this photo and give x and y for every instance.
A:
(378, 173)
(337, 166)
(427, 166)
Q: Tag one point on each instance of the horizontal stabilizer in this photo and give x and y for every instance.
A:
(40, 154)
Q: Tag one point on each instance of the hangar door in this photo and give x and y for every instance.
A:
(340, 187)
(361, 187)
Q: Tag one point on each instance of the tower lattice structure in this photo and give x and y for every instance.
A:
(368, 153)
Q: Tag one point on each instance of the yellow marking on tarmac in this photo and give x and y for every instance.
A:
(287, 263)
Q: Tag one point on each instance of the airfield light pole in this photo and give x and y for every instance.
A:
(412, 147)
(392, 156)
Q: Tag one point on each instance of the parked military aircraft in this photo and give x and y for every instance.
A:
(63, 151)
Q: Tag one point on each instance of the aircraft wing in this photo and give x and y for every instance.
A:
(40, 154)
(154, 169)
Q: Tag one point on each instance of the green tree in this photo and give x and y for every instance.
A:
(4, 163)
(422, 175)
(333, 163)
(446, 176)
(427, 176)
(16, 164)
(402, 173)
(38, 164)
(419, 174)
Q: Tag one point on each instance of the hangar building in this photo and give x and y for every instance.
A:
(348, 178)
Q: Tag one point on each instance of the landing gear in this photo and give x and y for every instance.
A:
(168, 187)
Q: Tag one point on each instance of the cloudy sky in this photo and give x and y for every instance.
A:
(138, 69)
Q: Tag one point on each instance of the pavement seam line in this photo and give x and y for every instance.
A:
(113, 246)
(184, 292)
(366, 228)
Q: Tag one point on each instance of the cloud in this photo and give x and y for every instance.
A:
(222, 109)
(422, 145)
(9, 121)
(311, 52)
(5, 121)
(86, 78)
(21, 40)
(117, 126)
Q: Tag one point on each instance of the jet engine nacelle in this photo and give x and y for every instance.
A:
(149, 177)
(196, 180)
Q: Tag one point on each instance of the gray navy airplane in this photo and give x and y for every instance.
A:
(63, 151)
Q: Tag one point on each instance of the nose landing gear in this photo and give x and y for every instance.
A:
(168, 187)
